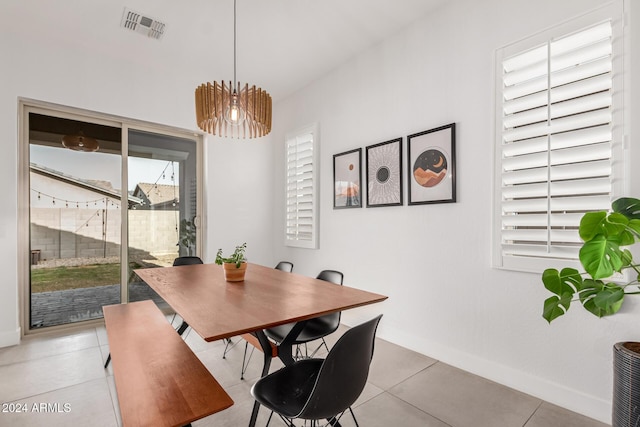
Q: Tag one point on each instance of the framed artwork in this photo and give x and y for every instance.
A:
(432, 166)
(384, 173)
(346, 179)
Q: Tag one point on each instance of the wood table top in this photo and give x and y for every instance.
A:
(218, 309)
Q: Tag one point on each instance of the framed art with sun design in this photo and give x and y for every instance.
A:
(432, 166)
(347, 174)
(384, 173)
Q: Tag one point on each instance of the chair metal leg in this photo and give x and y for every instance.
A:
(354, 417)
(229, 344)
(227, 341)
(333, 421)
(266, 351)
(299, 355)
(245, 361)
(324, 343)
(183, 327)
(285, 420)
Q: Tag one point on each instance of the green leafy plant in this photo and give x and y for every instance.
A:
(603, 254)
(187, 235)
(237, 257)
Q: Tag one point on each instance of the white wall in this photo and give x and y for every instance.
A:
(130, 77)
(433, 261)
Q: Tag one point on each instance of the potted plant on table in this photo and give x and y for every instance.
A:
(235, 265)
(605, 255)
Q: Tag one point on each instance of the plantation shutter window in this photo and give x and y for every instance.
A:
(301, 191)
(557, 144)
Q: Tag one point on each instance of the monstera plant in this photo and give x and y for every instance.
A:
(605, 253)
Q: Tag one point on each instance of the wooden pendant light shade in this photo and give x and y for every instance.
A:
(213, 100)
(232, 110)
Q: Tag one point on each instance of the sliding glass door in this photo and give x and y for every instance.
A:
(104, 198)
(162, 182)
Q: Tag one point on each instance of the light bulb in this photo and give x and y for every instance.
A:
(234, 114)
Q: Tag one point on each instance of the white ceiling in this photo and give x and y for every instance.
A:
(283, 45)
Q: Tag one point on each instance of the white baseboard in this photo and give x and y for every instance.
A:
(541, 388)
(9, 338)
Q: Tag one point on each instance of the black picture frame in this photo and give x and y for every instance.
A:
(384, 174)
(347, 179)
(431, 167)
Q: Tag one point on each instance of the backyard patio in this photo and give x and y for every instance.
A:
(74, 305)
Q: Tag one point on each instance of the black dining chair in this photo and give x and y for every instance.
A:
(183, 260)
(314, 329)
(284, 266)
(321, 389)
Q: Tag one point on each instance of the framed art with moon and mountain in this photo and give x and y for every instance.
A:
(346, 179)
(384, 173)
(432, 166)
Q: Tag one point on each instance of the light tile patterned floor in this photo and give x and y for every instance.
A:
(405, 389)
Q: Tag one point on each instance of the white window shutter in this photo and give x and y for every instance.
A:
(556, 144)
(301, 191)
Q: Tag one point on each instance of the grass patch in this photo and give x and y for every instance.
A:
(83, 276)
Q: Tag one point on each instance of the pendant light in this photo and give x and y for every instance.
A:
(233, 110)
(80, 142)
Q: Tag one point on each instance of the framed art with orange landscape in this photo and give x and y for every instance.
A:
(347, 174)
(432, 166)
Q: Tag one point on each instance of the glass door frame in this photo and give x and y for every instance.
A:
(26, 106)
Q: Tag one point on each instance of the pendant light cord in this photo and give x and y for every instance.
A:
(235, 83)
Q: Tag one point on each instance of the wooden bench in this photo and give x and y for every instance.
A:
(159, 380)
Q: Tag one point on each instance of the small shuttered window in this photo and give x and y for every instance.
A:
(301, 227)
(559, 147)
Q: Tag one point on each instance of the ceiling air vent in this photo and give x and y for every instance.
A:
(142, 24)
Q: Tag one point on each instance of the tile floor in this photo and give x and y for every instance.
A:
(405, 389)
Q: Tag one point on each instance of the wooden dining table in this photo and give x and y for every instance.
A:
(217, 309)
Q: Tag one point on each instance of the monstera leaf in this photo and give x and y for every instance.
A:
(567, 281)
(564, 285)
(601, 256)
(591, 225)
(555, 307)
(606, 236)
(599, 223)
(601, 299)
(627, 206)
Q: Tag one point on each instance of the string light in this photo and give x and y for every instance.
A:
(103, 200)
(106, 200)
